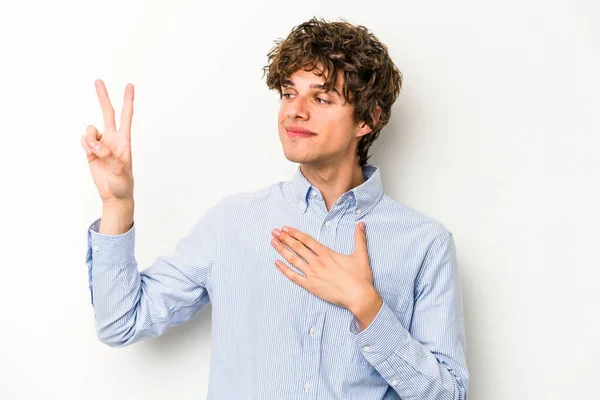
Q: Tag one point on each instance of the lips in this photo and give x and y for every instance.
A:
(296, 132)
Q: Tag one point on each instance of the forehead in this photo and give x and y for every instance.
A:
(310, 77)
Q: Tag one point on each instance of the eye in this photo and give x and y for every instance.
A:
(322, 101)
(286, 94)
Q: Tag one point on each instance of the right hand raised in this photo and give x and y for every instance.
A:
(110, 164)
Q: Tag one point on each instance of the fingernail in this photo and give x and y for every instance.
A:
(362, 225)
(95, 145)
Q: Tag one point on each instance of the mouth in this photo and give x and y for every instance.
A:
(299, 133)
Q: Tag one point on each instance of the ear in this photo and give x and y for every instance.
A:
(364, 128)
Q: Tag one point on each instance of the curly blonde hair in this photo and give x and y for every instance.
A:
(371, 79)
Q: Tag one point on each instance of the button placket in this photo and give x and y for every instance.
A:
(312, 348)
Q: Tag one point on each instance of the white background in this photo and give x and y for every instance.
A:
(495, 135)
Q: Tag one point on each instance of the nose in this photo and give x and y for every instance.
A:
(297, 108)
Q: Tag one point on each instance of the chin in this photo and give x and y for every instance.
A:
(297, 157)
(294, 157)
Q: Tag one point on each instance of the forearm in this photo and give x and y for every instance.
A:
(131, 305)
(128, 305)
(114, 283)
(410, 368)
(116, 291)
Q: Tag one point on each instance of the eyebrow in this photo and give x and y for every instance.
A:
(288, 82)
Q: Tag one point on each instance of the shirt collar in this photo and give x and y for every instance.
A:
(364, 196)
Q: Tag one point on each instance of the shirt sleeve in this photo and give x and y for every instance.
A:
(129, 305)
(429, 361)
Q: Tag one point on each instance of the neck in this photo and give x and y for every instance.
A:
(333, 180)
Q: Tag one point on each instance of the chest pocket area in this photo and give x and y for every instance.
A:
(401, 306)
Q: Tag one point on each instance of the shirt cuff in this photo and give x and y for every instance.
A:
(111, 250)
(384, 335)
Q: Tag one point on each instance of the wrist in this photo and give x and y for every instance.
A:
(366, 297)
(366, 313)
(118, 204)
(117, 217)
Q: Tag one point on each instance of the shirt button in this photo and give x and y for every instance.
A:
(95, 247)
(394, 382)
(314, 194)
(312, 331)
(328, 224)
(366, 349)
(358, 211)
(301, 203)
(307, 386)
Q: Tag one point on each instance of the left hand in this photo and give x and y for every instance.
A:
(337, 278)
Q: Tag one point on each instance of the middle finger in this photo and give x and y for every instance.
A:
(127, 111)
(297, 246)
(292, 258)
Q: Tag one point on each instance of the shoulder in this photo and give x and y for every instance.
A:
(408, 218)
(238, 201)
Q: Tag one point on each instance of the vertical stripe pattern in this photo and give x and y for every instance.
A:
(273, 339)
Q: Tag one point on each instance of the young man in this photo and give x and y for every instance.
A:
(305, 303)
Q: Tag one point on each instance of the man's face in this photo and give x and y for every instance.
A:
(305, 106)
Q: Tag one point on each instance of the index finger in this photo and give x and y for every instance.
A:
(307, 240)
(127, 110)
(108, 113)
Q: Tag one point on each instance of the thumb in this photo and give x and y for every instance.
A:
(360, 241)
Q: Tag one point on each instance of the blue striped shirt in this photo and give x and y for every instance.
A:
(273, 339)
